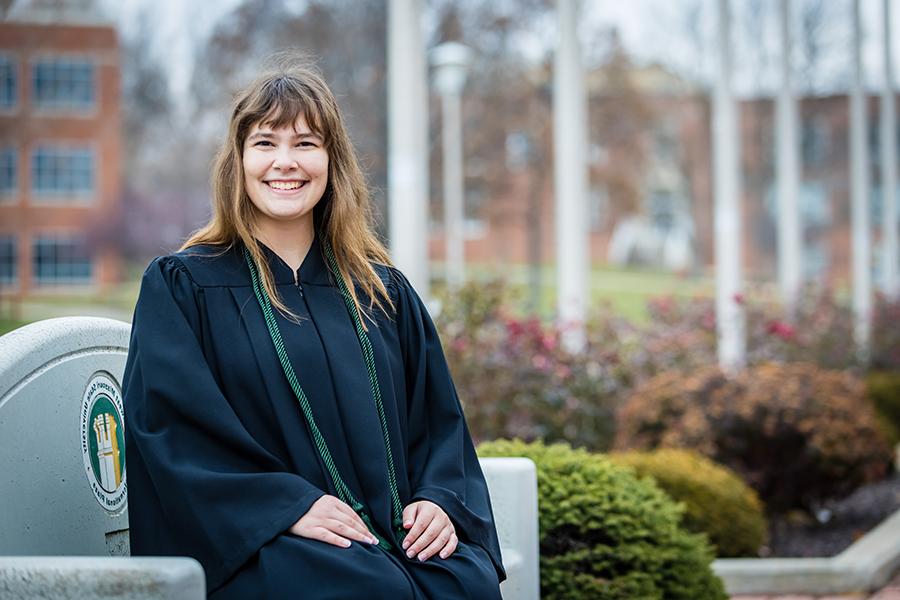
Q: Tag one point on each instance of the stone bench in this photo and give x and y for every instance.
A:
(63, 523)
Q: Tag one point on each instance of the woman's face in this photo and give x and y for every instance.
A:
(285, 172)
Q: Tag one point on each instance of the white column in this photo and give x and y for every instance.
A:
(790, 245)
(729, 310)
(408, 143)
(859, 198)
(450, 62)
(889, 243)
(570, 176)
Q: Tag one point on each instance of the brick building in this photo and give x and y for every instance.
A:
(59, 153)
(671, 176)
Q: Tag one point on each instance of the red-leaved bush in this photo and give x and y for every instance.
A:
(797, 434)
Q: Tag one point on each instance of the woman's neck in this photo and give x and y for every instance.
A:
(288, 240)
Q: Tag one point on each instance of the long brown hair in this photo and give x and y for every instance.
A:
(344, 215)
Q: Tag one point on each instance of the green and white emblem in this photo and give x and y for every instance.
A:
(103, 441)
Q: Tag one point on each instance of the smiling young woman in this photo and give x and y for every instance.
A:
(290, 417)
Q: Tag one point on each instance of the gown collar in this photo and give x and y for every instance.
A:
(312, 270)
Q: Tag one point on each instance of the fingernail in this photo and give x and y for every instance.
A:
(408, 524)
(422, 557)
(346, 544)
(443, 555)
(405, 545)
(373, 541)
(409, 554)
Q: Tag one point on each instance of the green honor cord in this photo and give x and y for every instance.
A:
(343, 490)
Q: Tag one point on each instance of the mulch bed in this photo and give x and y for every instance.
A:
(840, 522)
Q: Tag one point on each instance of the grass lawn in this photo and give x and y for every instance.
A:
(116, 303)
(7, 325)
(625, 290)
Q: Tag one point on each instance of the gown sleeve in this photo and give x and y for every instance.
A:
(443, 465)
(200, 484)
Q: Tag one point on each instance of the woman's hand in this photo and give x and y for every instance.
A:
(430, 531)
(332, 521)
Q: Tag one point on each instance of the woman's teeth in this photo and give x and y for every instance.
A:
(285, 185)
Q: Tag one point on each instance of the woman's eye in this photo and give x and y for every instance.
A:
(263, 143)
(307, 144)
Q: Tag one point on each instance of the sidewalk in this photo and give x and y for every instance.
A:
(889, 592)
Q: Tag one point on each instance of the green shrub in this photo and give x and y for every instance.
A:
(607, 535)
(883, 390)
(796, 433)
(717, 502)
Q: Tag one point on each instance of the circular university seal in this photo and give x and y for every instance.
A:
(103, 441)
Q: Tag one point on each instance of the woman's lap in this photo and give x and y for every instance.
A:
(294, 567)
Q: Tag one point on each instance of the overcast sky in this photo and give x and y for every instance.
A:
(649, 30)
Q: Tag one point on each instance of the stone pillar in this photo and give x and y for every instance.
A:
(408, 143)
(790, 236)
(570, 177)
(859, 198)
(889, 243)
(726, 188)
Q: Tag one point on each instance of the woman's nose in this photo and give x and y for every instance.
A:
(284, 160)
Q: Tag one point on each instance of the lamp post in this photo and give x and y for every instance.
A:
(451, 62)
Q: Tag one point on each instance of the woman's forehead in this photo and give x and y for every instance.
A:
(299, 125)
(293, 114)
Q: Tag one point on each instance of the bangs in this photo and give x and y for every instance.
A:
(279, 102)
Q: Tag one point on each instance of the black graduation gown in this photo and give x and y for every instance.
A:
(220, 462)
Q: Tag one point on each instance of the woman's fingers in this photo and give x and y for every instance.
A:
(439, 542)
(347, 530)
(450, 548)
(431, 532)
(345, 509)
(424, 516)
(409, 514)
(335, 508)
(335, 505)
(325, 535)
(334, 516)
(351, 520)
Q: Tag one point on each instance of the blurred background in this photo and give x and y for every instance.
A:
(109, 166)
(111, 111)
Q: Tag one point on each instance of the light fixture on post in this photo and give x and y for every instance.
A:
(451, 62)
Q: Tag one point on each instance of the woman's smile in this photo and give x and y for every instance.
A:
(281, 185)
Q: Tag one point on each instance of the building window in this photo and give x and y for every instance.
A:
(8, 262)
(815, 140)
(61, 260)
(815, 204)
(62, 172)
(9, 91)
(63, 83)
(8, 171)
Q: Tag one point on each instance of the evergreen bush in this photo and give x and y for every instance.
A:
(607, 535)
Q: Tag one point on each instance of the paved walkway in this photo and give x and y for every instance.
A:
(890, 592)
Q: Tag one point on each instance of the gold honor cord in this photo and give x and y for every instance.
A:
(343, 490)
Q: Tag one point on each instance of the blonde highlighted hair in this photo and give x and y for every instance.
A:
(344, 215)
